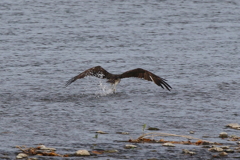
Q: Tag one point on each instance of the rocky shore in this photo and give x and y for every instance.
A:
(149, 146)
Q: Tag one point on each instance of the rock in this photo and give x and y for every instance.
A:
(42, 147)
(216, 149)
(223, 154)
(82, 153)
(205, 143)
(234, 137)
(223, 135)
(225, 147)
(215, 156)
(191, 132)
(153, 129)
(234, 125)
(237, 149)
(168, 145)
(21, 155)
(185, 151)
(111, 151)
(229, 151)
(125, 133)
(101, 132)
(129, 146)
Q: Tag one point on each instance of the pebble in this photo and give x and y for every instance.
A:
(101, 132)
(21, 155)
(111, 151)
(237, 149)
(153, 129)
(42, 147)
(215, 156)
(185, 151)
(129, 146)
(223, 154)
(225, 147)
(168, 145)
(205, 143)
(234, 136)
(215, 149)
(234, 125)
(223, 135)
(125, 133)
(82, 153)
(229, 151)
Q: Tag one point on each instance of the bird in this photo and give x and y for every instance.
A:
(114, 79)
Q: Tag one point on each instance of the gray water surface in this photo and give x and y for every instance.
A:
(192, 44)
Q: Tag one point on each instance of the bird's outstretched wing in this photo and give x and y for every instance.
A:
(97, 71)
(144, 74)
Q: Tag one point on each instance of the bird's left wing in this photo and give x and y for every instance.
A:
(144, 74)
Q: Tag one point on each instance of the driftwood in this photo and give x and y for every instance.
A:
(148, 137)
(39, 151)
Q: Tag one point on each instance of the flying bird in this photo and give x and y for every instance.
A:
(114, 79)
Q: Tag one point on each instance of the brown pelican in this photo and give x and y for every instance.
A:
(114, 79)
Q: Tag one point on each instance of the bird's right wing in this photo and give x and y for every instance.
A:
(97, 71)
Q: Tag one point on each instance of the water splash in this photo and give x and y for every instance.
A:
(105, 89)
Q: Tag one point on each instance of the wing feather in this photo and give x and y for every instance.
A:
(97, 71)
(149, 76)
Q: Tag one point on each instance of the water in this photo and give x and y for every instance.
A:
(194, 45)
